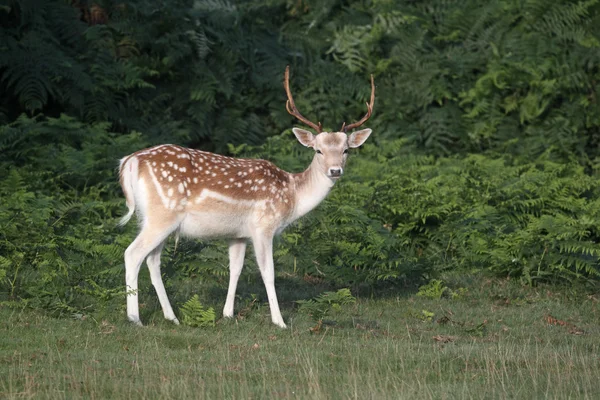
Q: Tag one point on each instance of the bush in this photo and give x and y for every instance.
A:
(399, 216)
(532, 220)
(484, 117)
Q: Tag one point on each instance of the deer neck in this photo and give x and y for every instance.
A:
(312, 186)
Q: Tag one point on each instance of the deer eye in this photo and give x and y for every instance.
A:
(345, 151)
(319, 152)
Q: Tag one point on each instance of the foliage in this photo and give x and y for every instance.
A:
(195, 315)
(532, 220)
(426, 315)
(398, 216)
(484, 157)
(57, 237)
(173, 70)
(49, 260)
(466, 76)
(451, 76)
(61, 250)
(322, 305)
(436, 289)
(433, 290)
(394, 217)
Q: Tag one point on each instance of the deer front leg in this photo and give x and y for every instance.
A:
(237, 250)
(263, 247)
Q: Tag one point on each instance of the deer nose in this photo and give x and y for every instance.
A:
(335, 172)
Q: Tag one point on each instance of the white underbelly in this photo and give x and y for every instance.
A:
(207, 225)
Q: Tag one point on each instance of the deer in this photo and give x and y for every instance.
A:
(204, 195)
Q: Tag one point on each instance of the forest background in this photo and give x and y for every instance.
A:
(484, 156)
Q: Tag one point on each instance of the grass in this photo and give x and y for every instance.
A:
(497, 339)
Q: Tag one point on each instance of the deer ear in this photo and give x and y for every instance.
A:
(304, 137)
(357, 138)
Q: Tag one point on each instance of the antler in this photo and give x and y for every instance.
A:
(291, 106)
(369, 110)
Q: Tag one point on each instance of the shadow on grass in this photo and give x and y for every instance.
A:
(208, 277)
(251, 294)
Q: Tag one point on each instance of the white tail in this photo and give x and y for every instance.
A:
(206, 195)
(128, 175)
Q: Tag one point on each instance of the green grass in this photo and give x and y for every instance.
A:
(497, 340)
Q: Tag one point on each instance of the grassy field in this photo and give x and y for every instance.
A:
(495, 339)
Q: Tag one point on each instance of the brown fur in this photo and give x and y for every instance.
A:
(184, 173)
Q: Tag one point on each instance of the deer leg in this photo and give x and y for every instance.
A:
(144, 243)
(263, 247)
(237, 250)
(153, 261)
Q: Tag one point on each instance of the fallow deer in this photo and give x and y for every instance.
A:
(204, 195)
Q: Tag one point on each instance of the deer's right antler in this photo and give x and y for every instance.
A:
(291, 106)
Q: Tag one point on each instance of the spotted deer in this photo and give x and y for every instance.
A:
(204, 195)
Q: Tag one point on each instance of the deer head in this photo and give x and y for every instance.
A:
(331, 148)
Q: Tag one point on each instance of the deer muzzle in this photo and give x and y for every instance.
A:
(335, 172)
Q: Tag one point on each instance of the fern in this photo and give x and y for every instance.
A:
(433, 290)
(484, 157)
(195, 315)
(322, 305)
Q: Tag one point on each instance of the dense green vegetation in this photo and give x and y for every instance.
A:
(484, 155)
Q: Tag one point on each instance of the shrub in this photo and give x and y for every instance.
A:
(400, 216)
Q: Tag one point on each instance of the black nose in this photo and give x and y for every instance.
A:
(335, 171)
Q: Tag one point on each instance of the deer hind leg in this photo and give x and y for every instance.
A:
(263, 247)
(147, 241)
(237, 250)
(153, 261)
